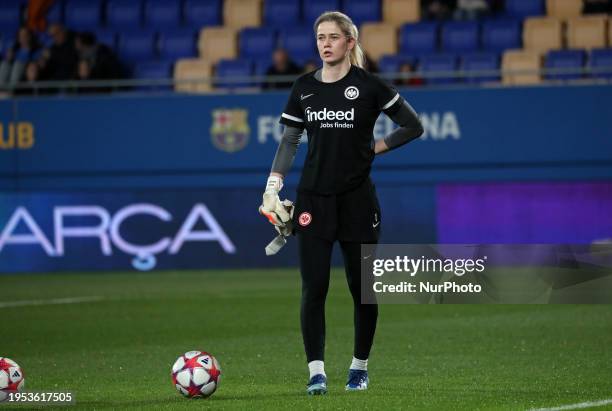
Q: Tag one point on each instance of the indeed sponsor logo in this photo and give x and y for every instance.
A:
(329, 114)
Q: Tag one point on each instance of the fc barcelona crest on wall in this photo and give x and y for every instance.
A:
(230, 129)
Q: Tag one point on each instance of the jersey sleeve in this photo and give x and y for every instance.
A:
(293, 115)
(387, 97)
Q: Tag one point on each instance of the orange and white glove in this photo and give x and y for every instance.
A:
(272, 207)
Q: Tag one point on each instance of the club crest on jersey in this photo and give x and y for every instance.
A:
(351, 92)
(230, 129)
(304, 219)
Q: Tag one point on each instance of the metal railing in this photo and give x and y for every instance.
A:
(215, 84)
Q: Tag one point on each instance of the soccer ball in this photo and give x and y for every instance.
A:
(11, 377)
(196, 374)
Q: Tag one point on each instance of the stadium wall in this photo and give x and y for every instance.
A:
(107, 182)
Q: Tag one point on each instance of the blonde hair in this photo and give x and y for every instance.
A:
(357, 56)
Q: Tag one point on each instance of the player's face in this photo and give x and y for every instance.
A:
(332, 43)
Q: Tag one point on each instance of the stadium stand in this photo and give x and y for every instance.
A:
(202, 13)
(239, 14)
(501, 35)
(543, 34)
(257, 42)
(216, 43)
(83, 15)
(362, 11)
(522, 9)
(177, 43)
(565, 59)
(279, 13)
(379, 39)
(563, 9)
(234, 68)
(601, 59)
(528, 61)
(418, 38)
(124, 14)
(162, 14)
(473, 63)
(587, 32)
(439, 63)
(460, 36)
(137, 46)
(299, 43)
(188, 71)
(398, 12)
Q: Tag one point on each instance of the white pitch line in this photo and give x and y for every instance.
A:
(577, 406)
(54, 301)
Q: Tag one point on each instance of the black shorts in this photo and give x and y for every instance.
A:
(353, 216)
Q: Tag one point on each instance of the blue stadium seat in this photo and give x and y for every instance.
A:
(234, 68)
(107, 37)
(300, 44)
(55, 14)
(257, 42)
(484, 61)
(135, 46)
(419, 38)
(279, 13)
(501, 35)
(124, 14)
(154, 70)
(260, 66)
(82, 14)
(10, 17)
(439, 62)
(313, 8)
(602, 59)
(162, 13)
(565, 59)
(200, 13)
(524, 8)
(362, 11)
(460, 36)
(391, 63)
(178, 43)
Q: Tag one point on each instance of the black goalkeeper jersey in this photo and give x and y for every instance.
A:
(339, 120)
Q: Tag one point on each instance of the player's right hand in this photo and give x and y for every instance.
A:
(272, 208)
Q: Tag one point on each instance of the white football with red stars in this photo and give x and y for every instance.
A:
(196, 374)
(11, 377)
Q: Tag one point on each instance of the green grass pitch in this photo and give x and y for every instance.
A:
(116, 353)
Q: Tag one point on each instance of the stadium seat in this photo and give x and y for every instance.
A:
(55, 14)
(154, 70)
(601, 62)
(436, 64)
(362, 11)
(418, 38)
(134, 46)
(201, 13)
(460, 36)
(313, 8)
(564, 9)
(228, 69)
(83, 14)
(299, 43)
(10, 17)
(542, 34)
(216, 43)
(398, 12)
(192, 69)
(239, 14)
(587, 32)
(107, 37)
(392, 63)
(501, 35)
(479, 62)
(279, 13)
(564, 59)
(257, 42)
(177, 43)
(124, 14)
(524, 8)
(162, 13)
(521, 60)
(378, 39)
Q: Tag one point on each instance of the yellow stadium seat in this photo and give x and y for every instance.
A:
(398, 12)
(543, 34)
(193, 69)
(587, 32)
(216, 43)
(564, 8)
(242, 13)
(378, 39)
(610, 31)
(521, 60)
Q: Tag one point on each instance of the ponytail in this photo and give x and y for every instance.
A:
(357, 55)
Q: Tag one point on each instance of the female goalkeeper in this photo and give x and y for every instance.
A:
(338, 105)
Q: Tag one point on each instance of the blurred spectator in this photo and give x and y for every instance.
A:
(281, 66)
(597, 6)
(17, 57)
(471, 9)
(37, 11)
(438, 9)
(59, 62)
(95, 59)
(410, 79)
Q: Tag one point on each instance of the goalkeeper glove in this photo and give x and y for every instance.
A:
(272, 208)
